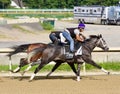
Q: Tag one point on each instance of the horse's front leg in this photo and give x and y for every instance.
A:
(78, 71)
(41, 65)
(90, 61)
(54, 68)
(71, 64)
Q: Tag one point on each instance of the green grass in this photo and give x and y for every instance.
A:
(47, 26)
(114, 66)
(45, 15)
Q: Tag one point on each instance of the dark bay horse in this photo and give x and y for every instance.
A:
(57, 54)
(27, 48)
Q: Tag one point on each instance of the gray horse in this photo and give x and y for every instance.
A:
(57, 53)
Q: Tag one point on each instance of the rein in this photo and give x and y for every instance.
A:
(98, 42)
(94, 45)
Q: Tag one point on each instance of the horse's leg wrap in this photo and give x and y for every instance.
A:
(78, 78)
(36, 70)
(104, 70)
(16, 70)
(31, 78)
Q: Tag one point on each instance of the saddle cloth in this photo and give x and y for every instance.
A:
(79, 51)
(67, 50)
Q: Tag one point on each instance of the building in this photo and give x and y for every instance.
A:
(17, 4)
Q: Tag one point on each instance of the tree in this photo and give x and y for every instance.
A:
(66, 3)
(4, 4)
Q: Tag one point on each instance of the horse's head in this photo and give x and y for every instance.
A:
(101, 43)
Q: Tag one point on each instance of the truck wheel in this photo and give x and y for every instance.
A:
(118, 22)
(106, 22)
(102, 22)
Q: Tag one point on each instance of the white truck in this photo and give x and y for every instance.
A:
(98, 14)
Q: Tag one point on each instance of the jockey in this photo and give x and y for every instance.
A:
(76, 33)
(69, 34)
(57, 37)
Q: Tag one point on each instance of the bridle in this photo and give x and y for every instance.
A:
(101, 40)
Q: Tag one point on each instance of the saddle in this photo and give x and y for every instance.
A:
(69, 55)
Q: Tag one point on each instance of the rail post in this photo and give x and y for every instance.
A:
(84, 69)
(10, 63)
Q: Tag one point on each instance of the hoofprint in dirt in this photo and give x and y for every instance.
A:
(101, 84)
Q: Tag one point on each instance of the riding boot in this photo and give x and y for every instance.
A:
(56, 42)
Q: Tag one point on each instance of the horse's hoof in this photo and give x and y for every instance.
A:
(78, 80)
(47, 77)
(12, 77)
(21, 78)
(30, 81)
(108, 73)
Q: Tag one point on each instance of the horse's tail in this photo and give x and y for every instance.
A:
(17, 49)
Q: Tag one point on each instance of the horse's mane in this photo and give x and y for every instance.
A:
(93, 36)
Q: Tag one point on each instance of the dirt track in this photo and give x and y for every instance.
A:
(62, 85)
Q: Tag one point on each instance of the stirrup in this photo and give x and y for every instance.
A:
(69, 55)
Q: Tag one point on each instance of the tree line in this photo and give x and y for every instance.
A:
(58, 4)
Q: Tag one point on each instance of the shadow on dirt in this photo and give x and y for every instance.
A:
(45, 78)
(57, 77)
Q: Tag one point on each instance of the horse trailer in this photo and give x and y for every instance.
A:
(98, 14)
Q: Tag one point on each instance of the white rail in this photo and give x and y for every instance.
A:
(16, 11)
